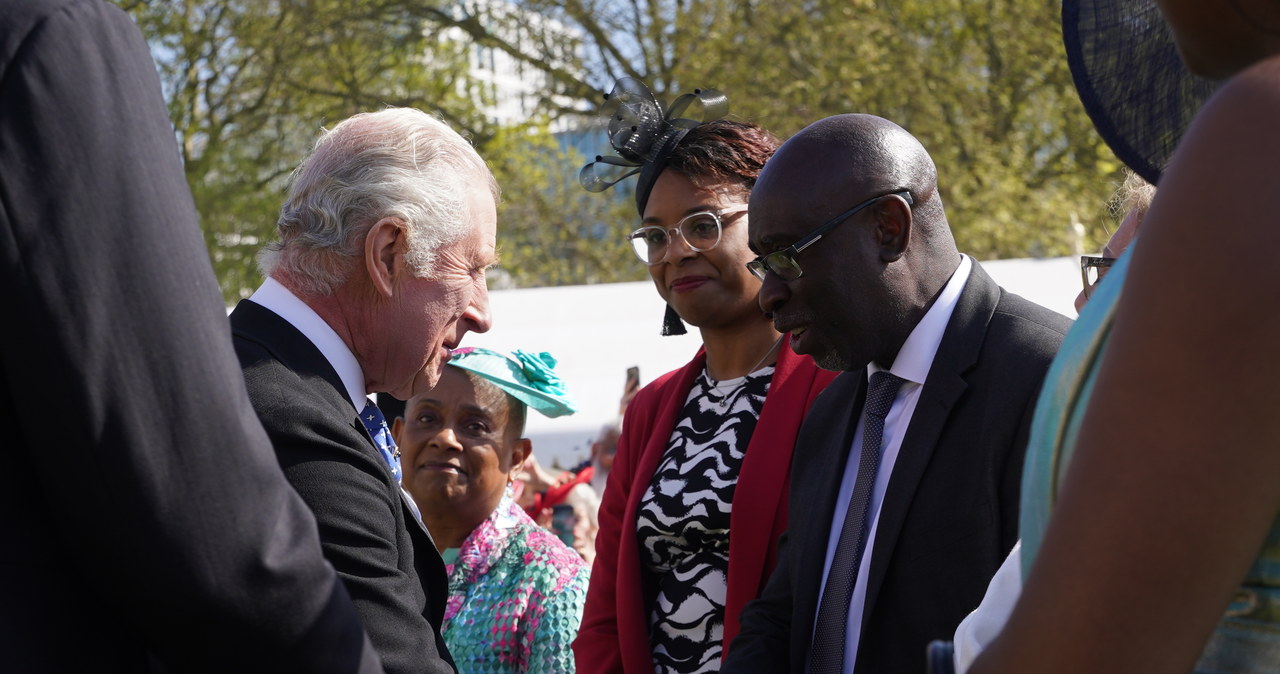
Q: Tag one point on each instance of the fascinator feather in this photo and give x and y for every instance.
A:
(644, 135)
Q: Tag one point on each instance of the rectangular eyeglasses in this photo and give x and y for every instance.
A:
(783, 262)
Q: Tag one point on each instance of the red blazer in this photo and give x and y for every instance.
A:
(614, 636)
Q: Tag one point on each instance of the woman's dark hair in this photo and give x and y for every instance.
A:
(723, 151)
(489, 395)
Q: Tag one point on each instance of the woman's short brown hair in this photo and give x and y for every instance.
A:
(723, 151)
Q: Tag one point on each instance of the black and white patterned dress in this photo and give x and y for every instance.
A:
(683, 520)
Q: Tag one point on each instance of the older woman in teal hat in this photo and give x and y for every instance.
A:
(515, 590)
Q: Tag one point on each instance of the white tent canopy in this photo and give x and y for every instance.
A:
(596, 332)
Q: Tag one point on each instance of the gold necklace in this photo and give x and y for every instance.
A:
(732, 394)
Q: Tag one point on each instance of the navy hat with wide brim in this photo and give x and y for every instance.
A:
(1131, 79)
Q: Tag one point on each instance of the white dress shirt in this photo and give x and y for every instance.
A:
(283, 303)
(985, 623)
(912, 364)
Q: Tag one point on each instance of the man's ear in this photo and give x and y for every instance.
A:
(520, 450)
(385, 246)
(893, 228)
(397, 427)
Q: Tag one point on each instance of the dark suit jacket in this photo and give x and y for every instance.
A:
(382, 553)
(144, 522)
(950, 514)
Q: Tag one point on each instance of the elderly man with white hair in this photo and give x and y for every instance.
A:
(378, 272)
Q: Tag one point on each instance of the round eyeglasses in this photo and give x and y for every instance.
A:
(700, 232)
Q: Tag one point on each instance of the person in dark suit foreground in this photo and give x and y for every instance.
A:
(146, 525)
(905, 480)
(378, 272)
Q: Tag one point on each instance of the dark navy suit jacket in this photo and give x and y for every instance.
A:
(950, 514)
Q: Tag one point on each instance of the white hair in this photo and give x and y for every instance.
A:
(400, 163)
(1134, 194)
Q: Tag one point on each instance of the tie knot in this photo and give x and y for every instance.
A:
(881, 392)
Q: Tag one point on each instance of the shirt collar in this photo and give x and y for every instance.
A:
(915, 358)
(282, 302)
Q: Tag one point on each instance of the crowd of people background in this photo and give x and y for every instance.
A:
(878, 461)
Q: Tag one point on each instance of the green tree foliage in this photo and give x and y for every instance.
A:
(551, 231)
(250, 83)
(982, 83)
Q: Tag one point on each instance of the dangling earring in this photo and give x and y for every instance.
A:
(671, 323)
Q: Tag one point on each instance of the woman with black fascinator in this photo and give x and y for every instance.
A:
(677, 555)
(1151, 497)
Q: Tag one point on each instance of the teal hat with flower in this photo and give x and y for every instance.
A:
(527, 377)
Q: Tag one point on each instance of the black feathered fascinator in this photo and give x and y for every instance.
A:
(644, 136)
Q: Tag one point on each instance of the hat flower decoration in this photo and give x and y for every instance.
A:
(537, 368)
(527, 377)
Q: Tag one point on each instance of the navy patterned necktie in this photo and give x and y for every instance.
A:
(376, 424)
(827, 655)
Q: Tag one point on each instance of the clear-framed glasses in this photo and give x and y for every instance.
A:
(700, 231)
(783, 262)
(1092, 269)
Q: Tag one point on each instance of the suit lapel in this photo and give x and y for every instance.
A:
(258, 324)
(412, 521)
(255, 323)
(957, 353)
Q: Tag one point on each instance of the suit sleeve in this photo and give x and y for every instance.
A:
(1010, 484)
(158, 478)
(597, 648)
(764, 636)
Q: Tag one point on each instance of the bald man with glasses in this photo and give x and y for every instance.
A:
(905, 477)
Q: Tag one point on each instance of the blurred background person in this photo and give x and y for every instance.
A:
(1131, 202)
(584, 483)
(515, 590)
(1150, 530)
(603, 451)
(579, 489)
(542, 490)
(677, 555)
(585, 495)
